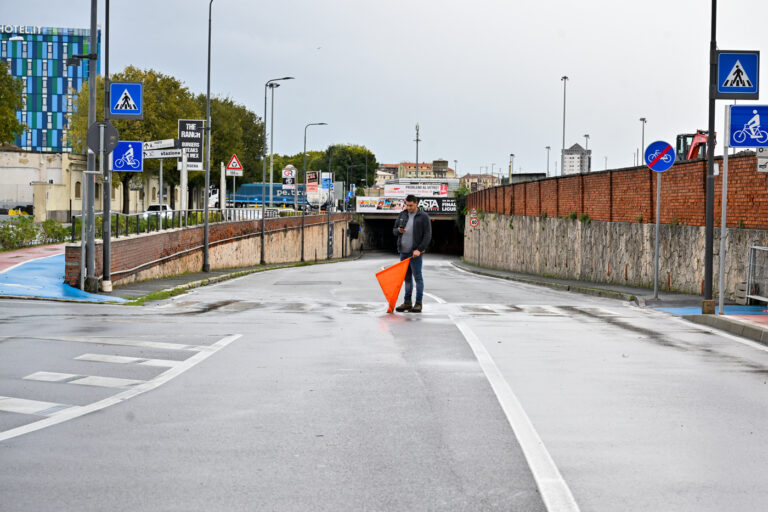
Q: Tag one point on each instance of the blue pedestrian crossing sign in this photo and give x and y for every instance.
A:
(738, 75)
(127, 156)
(749, 126)
(126, 100)
(659, 156)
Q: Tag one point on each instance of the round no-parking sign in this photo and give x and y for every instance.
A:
(659, 156)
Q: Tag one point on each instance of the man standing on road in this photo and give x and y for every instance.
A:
(413, 229)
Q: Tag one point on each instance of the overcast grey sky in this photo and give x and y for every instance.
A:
(482, 78)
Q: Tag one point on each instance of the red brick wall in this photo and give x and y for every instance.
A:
(629, 195)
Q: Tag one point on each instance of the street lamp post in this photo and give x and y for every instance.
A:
(511, 166)
(304, 165)
(272, 87)
(562, 151)
(264, 162)
(642, 140)
(206, 240)
(547, 148)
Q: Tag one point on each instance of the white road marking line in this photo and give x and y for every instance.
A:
(29, 261)
(554, 490)
(76, 412)
(51, 376)
(107, 358)
(83, 380)
(136, 343)
(718, 332)
(435, 298)
(24, 406)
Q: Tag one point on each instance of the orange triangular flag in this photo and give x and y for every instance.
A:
(391, 280)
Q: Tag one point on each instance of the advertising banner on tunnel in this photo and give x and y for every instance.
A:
(395, 205)
(418, 190)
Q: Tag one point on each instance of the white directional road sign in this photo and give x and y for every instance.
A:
(160, 144)
(163, 153)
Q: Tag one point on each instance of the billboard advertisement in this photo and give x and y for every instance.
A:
(418, 190)
(396, 204)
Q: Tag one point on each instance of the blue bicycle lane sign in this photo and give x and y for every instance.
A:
(127, 156)
(659, 156)
(745, 129)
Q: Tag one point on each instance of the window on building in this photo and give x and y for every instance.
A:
(141, 195)
(113, 192)
(78, 192)
(154, 193)
(98, 191)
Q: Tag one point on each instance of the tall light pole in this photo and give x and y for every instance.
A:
(347, 187)
(586, 142)
(272, 88)
(304, 165)
(511, 166)
(562, 151)
(206, 262)
(547, 148)
(642, 140)
(264, 162)
(417, 140)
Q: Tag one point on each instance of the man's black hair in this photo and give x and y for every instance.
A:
(410, 198)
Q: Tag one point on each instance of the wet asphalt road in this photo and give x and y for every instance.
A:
(293, 390)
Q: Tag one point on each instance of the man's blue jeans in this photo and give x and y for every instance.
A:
(414, 273)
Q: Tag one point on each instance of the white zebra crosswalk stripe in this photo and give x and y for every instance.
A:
(106, 358)
(24, 406)
(84, 380)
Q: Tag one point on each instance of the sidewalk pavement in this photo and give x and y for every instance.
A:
(747, 321)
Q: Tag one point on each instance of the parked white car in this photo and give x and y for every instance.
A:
(153, 209)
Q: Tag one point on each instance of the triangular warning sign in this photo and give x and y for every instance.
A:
(234, 164)
(737, 77)
(125, 102)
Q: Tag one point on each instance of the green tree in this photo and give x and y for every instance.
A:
(166, 100)
(358, 161)
(235, 130)
(10, 102)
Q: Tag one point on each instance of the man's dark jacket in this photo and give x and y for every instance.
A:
(422, 230)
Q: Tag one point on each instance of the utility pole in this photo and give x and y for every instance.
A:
(562, 151)
(417, 140)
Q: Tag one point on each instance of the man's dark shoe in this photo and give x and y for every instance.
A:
(416, 308)
(405, 306)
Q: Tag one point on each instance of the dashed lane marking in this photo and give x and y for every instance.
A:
(24, 406)
(75, 412)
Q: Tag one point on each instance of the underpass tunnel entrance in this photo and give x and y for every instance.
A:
(446, 237)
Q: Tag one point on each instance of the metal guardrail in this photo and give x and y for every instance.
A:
(147, 222)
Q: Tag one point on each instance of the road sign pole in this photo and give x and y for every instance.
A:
(90, 180)
(724, 210)
(656, 243)
(106, 220)
(160, 200)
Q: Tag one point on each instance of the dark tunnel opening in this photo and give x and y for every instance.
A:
(446, 237)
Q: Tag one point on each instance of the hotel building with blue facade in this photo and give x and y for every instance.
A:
(38, 56)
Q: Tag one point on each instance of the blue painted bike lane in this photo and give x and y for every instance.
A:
(44, 279)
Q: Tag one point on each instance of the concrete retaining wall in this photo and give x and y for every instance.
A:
(608, 252)
(232, 245)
